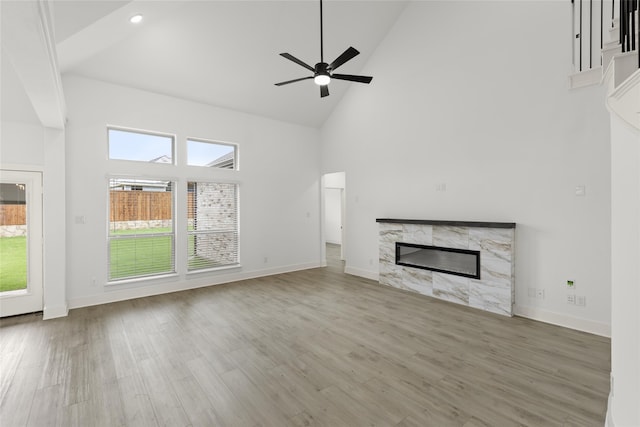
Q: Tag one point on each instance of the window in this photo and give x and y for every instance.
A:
(212, 225)
(140, 146)
(211, 154)
(141, 230)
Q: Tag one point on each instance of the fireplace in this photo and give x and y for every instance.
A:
(460, 262)
(441, 259)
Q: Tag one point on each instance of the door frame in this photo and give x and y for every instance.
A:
(32, 299)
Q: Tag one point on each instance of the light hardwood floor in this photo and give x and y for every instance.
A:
(316, 347)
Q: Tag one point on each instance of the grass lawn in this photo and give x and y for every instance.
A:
(147, 255)
(13, 263)
(129, 257)
(140, 256)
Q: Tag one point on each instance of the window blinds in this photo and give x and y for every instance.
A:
(141, 230)
(212, 225)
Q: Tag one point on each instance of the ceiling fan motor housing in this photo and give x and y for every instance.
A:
(321, 69)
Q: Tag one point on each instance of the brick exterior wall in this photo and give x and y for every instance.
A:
(215, 210)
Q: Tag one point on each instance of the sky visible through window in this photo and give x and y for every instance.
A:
(141, 147)
(201, 153)
(144, 147)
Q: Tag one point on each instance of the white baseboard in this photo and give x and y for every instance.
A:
(608, 421)
(367, 274)
(55, 312)
(114, 294)
(597, 328)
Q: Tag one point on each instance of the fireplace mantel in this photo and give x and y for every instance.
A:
(475, 224)
(493, 291)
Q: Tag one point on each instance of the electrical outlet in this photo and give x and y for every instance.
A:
(540, 293)
(265, 260)
(571, 284)
(571, 299)
(581, 300)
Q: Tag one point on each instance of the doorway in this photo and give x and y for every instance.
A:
(21, 288)
(334, 237)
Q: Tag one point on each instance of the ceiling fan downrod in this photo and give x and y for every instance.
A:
(321, 36)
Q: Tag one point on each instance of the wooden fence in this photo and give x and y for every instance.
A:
(144, 205)
(125, 206)
(13, 214)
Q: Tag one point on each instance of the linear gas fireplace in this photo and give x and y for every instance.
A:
(461, 262)
(441, 259)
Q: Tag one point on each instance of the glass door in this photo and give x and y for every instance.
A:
(20, 242)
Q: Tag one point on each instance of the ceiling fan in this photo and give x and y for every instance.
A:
(323, 72)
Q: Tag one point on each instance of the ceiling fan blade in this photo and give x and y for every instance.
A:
(324, 91)
(293, 81)
(297, 61)
(347, 55)
(352, 78)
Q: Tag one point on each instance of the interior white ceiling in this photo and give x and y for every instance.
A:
(223, 53)
(15, 105)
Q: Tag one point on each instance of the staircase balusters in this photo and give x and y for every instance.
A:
(591, 34)
(601, 27)
(629, 39)
(629, 25)
(580, 40)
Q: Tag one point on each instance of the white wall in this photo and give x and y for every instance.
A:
(474, 95)
(22, 143)
(334, 180)
(55, 220)
(625, 275)
(279, 185)
(26, 145)
(333, 215)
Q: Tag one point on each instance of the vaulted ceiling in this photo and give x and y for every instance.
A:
(223, 53)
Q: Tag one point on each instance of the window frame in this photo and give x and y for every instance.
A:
(175, 173)
(172, 184)
(189, 233)
(236, 150)
(173, 137)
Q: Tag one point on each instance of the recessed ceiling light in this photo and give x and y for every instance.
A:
(136, 19)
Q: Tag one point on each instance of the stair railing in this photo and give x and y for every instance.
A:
(584, 21)
(629, 25)
(589, 26)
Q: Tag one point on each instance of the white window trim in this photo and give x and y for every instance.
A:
(238, 225)
(174, 143)
(131, 279)
(236, 151)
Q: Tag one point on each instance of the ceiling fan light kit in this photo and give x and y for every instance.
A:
(322, 79)
(321, 75)
(322, 72)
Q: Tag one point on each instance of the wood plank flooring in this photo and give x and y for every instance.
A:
(310, 348)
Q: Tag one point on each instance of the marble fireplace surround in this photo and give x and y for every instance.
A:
(494, 291)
